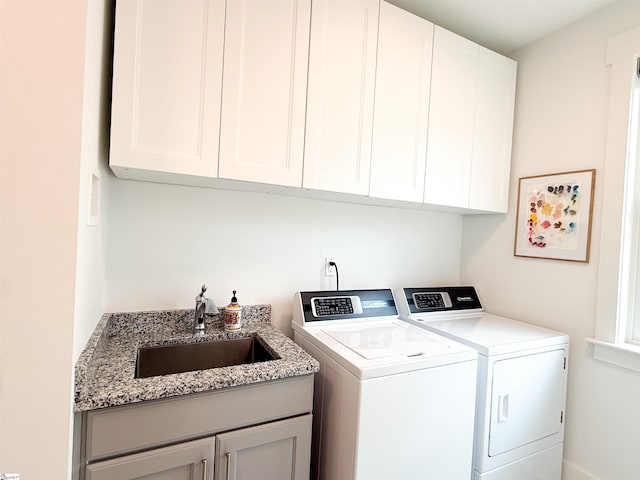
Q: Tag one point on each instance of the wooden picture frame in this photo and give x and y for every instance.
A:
(554, 214)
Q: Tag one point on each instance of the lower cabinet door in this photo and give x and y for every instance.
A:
(273, 451)
(185, 461)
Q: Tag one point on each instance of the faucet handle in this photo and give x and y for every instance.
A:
(200, 296)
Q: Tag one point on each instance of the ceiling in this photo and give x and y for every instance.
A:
(502, 25)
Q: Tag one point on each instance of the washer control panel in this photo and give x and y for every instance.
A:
(320, 306)
(327, 306)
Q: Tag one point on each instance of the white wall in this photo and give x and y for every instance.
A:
(91, 256)
(560, 125)
(164, 241)
(42, 59)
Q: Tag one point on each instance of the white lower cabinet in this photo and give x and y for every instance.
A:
(185, 461)
(274, 451)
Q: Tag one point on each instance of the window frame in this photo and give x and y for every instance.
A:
(618, 264)
(630, 270)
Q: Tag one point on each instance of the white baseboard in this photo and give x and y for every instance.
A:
(572, 472)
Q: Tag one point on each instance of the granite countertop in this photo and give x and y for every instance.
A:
(104, 373)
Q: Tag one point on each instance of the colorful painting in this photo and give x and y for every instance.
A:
(554, 216)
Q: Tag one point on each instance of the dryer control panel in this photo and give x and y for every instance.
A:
(437, 299)
(431, 300)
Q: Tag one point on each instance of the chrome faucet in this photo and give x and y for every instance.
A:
(201, 307)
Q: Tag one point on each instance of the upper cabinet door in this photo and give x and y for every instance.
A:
(401, 115)
(493, 131)
(264, 95)
(450, 140)
(167, 77)
(342, 63)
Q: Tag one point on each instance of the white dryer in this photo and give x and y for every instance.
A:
(391, 400)
(522, 381)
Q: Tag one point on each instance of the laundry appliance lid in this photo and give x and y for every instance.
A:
(360, 329)
(389, 347)
(389, 340)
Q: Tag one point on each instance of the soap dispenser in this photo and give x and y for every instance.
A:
(233, 315)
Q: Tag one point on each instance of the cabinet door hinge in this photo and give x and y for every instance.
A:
(564, 367)
(561, 416)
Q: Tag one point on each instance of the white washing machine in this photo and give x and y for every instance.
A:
(391, 400)
(522, 381)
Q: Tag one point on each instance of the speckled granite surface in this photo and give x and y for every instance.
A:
(104, 373)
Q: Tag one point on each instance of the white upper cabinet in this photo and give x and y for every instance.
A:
(451, 117)
(470, 125)
(346, 96)
(264, 93)
(493, 131)
(342, 64)
(401, 114)
(167, 77)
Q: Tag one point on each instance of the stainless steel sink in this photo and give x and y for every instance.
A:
(166, 359)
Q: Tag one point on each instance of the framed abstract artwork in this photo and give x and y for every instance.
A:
(554, 216)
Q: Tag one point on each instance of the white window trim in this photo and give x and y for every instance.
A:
(610, 344)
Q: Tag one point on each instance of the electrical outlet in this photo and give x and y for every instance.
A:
(329, 270)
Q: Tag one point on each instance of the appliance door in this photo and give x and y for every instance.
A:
(526, 400)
